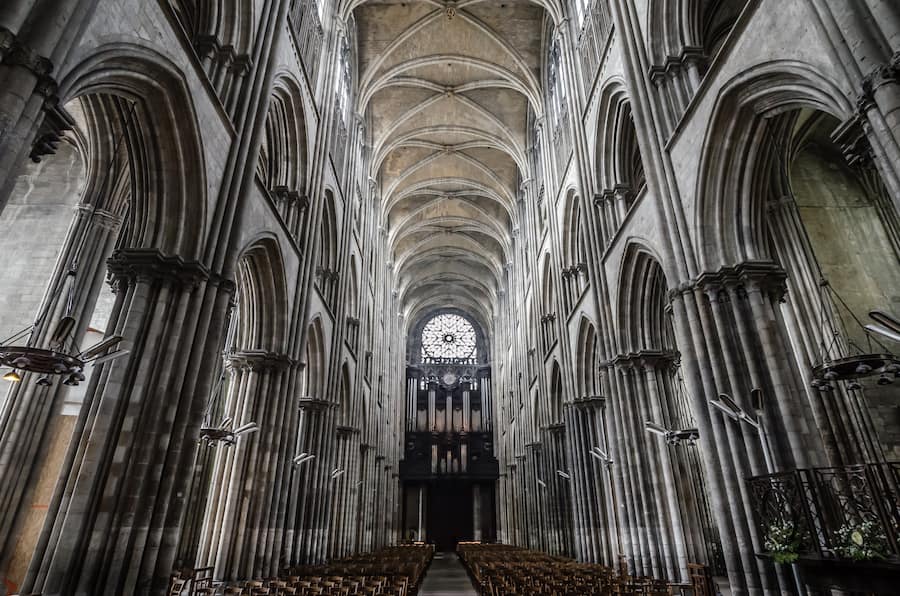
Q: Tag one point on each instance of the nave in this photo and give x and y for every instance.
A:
(597, 295)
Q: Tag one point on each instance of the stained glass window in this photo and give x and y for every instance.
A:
(448, 336)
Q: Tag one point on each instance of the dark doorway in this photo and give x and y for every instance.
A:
(449, 514)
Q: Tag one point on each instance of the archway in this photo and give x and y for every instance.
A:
(449, 467)
(144, 206)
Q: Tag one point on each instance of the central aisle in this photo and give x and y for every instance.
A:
(447, 577)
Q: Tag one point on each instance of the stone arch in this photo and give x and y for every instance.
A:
(353, 297)
(644, 323)
(587, 363)
(328, 238)
(574, 243)
(315, 360)
(618, 157)
(225, 24)
(283, 157)
(679, 27)
(257, 370)
(261, 316)
(144, 165)
(167, 210)
(548, 295)
(345, 395)
(575, 251)
(557, 394)
(731, 193)
(327, 256)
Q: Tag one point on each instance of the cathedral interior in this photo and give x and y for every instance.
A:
(434, 297)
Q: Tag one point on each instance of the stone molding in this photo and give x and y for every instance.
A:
(149, 265)
(887, 73)
(15, 53)
(102, 218)
(673, 65)
(767, 277)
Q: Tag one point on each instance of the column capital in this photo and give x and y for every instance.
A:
(151, 264)
(101, 218)
(15, 53)
(767, 277)
(241, 65)
(887, 73)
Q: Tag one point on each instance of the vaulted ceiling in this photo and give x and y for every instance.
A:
(446, 90)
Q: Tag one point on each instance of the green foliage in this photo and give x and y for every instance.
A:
(863, 541)
(783, 541)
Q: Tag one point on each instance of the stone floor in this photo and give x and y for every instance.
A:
(446, 577)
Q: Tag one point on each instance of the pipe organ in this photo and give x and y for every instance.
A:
(449, 468)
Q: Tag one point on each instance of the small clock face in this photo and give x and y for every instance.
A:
(449, 378)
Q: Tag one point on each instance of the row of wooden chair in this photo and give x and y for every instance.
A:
(394, 571)
(504, 570)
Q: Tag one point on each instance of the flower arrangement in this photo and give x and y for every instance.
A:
(863, 541)
(783, 542)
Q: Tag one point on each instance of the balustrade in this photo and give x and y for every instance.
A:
(850, 512)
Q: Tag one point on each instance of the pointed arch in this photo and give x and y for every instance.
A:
(223, 25)
(587, 363)
(557, 394)
(261, 298)
(345, 396)
(644, 322)
(283, 156)
(574, 246)
(618, 157)
(548, 287)
(678, 27)
(731, 193)
(315, 357)
(168, 204)
(328, 238)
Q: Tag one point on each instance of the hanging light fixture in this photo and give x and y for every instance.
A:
(58, 359)
(224, 435)
(688, 436)
(60, 356)
(12, 376)
(843, 359)
(599, 454)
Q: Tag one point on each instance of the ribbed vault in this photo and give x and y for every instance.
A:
(447, 90)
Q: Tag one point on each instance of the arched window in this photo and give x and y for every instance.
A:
(448, 337)
(581, 9)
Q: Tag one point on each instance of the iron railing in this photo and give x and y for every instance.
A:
(850, 512)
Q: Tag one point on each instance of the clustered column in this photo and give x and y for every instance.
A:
(117, 519)
(247, 498)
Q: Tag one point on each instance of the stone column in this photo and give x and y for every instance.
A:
(243, 474)
(114, 523)
(34, 36)
(310, 477)
(24, 423)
